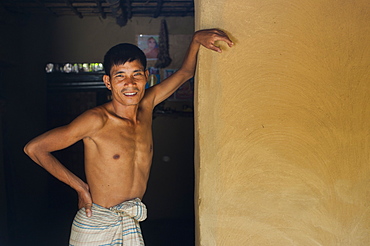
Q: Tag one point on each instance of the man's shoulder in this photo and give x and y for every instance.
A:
(94, 117)
(98, 111)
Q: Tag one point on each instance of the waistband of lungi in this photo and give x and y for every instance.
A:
(133, 208)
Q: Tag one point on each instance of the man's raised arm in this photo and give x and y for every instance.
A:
(207, 38)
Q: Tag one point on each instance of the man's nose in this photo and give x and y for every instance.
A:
(130, 81)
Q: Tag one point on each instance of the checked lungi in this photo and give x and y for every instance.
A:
(118, 225)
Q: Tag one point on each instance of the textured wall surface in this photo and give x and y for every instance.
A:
(283, 124)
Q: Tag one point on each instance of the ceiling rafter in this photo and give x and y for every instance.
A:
(101, 8)
(69, 4)
(43, 5)
(158, 9)
(130, 8)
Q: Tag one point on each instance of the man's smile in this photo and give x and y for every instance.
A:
(129, 93)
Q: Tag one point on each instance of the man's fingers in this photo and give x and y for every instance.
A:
(88, 209)
(215, 48)
(222, 36)
(88, 212)
(209, 38)
(212, 46)
(226, 39)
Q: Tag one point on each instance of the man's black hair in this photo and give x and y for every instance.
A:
(122, 53)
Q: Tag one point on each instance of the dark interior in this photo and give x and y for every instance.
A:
(37, 209)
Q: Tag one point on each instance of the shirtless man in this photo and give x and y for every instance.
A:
(118, 145)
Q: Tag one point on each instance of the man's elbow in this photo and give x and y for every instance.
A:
(190, 75)
(30, 149)
(187, 74)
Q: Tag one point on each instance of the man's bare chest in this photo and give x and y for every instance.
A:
(123, 135)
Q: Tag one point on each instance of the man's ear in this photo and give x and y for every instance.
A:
(106, 80)
(147, 74)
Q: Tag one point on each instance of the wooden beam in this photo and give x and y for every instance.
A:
(158, 9)
(43, 5)
(128, 9)
(100, 8)
(125, 9)
(69, 4)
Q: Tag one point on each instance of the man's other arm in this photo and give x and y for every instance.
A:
(206, 38)
(40, 148)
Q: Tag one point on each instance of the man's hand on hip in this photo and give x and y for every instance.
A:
(85, 201)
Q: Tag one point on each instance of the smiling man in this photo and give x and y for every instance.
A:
(118, 145)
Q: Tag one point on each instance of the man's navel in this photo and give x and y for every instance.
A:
(116, 156)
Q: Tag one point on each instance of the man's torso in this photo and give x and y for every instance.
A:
(118, 157)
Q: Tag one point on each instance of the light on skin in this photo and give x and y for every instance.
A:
(130, 113)
(127, 83)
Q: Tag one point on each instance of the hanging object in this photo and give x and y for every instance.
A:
(164, 58)
(118, 11)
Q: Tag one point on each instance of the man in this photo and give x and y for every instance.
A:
(118, 145)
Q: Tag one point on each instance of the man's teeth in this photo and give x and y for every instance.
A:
(130, 93)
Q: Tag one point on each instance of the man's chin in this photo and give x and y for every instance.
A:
(130, 103)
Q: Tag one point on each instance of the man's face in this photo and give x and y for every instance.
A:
(127, 82)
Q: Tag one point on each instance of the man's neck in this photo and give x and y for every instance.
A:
(128, 112)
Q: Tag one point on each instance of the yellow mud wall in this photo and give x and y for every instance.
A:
(283, 124)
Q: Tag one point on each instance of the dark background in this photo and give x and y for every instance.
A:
(35, 208)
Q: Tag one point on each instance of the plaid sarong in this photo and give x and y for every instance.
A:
(118, 225)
